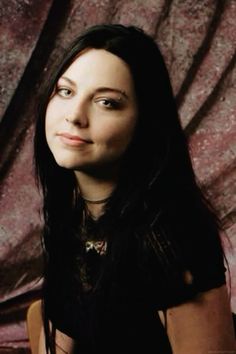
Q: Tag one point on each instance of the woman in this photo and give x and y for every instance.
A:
(134, 262)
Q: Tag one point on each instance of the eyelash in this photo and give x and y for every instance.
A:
(60, 89)
(113, 104)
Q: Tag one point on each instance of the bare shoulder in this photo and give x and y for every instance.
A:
(203, 325)
(64, 344)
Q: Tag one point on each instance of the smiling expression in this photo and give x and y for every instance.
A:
(92, 114)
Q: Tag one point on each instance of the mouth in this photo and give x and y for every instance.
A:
(73, 140)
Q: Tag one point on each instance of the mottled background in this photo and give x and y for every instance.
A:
(198, 41)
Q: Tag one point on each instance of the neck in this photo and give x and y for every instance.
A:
(95, 190)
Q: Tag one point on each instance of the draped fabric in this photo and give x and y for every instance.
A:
(198, 41)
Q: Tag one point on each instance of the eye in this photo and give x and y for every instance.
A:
(108, 103)
(64, 92)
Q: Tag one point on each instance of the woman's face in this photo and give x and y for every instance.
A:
(91, 117)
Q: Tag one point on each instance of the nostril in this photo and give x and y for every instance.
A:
(82, 122)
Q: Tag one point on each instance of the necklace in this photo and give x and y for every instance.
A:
(98, 201)
(99, 246)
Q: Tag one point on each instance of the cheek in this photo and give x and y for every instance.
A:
(53, 113)
(48, 127)
(50, 119)
(116, 134)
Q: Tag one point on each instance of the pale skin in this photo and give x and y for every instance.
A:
(95, 101)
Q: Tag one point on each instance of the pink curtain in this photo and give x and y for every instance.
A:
(198, 41)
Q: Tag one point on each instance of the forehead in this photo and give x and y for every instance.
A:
(101, 67)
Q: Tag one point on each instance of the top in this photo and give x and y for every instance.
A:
(128, 321)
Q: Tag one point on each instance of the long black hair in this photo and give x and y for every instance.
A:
(157, 201)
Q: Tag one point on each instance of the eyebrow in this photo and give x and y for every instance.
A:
(99, 89)
(121, 92)
(68, 80)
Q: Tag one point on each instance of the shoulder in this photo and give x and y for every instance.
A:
(64, 344)
(202, 324)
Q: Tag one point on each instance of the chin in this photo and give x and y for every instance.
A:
(75, 165)
(91, 167)
(66, 163)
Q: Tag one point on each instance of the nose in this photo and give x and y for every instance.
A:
(82, 123)
(78, 115)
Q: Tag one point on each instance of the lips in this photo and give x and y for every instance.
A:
(71, 139)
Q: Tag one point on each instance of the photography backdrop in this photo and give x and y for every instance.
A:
(198, 41)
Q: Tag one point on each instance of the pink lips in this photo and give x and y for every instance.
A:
(72, 140)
